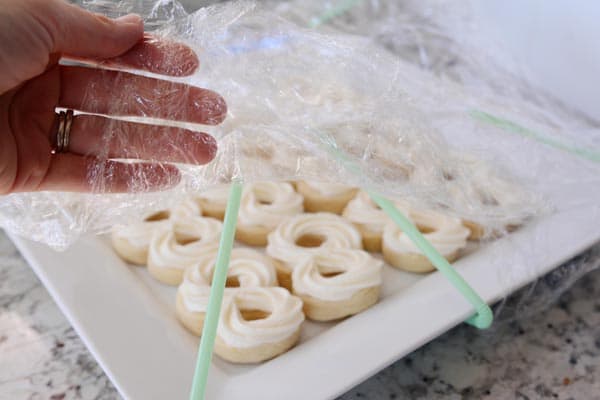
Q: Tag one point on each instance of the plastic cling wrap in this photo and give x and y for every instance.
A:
(319, 103)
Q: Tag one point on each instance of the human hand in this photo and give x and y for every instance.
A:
(34, 35)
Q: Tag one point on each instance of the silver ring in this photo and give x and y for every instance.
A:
(63, 133)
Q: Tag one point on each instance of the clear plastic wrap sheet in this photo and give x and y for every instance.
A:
(539, 295)
(399, 108)
(448, 42)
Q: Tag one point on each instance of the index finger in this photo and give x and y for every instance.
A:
(159, 56)
(122, 93)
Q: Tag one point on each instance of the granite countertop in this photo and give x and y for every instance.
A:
(548, 352)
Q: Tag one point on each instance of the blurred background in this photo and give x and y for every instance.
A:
(557, 42)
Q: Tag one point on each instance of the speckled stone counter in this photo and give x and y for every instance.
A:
(543, 345)
(554, 354)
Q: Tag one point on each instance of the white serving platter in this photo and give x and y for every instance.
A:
(127, 320)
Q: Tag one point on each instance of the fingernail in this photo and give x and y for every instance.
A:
(129, 19)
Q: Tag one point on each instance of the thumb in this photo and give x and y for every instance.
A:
(32, 30)
(81, 34)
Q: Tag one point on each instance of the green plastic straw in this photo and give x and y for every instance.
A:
(484, 316)
(334, 12)
(211, 321)
(509, 126)
(482, 319)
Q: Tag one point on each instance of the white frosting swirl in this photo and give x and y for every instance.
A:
(140, 234)
(331, 229)
(284, 319)
(217, 195)
(355, 269)
(188, 207)
(257, 291)
(265, 204)
(363, 211)
(200, 235)
(249, 267)
(195, 286)
(328, 189)
(446, 234)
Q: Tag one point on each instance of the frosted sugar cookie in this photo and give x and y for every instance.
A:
(447, 235)
(496, 203)
(214, 201)
(263, 206)
(336, 283)
(257, 324)
(132, 242)
(368, 218)
(325, 197)
(175, 247)
(247, 268)
(258, 320)
(305, 235)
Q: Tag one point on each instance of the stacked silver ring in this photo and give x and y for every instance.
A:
(65, 121)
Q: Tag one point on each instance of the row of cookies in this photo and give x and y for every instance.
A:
(266, 204)
(318, 257)
(259, 320)
(308, 249)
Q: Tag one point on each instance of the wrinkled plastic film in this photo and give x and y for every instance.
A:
(395, 100)
(539, 295)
